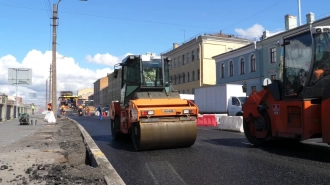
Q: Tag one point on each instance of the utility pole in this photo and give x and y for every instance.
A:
(54, 101)
(46, 92)
(50, 84)
(299, 12)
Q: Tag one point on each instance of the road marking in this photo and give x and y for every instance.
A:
(163, 170)
(247, 143)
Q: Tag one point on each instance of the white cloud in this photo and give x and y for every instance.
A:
(70, 76)
(105, 59)
(254, 31)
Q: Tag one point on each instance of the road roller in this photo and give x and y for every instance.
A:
(149, 110)
(296, 105)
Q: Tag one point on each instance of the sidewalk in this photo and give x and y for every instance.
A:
(49, 154)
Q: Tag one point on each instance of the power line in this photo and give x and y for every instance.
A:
(253, 14)
(110, 17)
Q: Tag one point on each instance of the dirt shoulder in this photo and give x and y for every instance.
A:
(56, 154)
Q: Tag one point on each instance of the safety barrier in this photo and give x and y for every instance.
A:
(231, 123)
(49, 117)
(207, 120)
(218, 117)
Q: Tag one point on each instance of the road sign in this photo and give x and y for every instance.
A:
(19, 76)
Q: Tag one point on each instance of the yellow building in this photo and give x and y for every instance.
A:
(192, 65)
(84, 93)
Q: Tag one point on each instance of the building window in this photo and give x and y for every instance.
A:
(273, 55)
(193, 75)
(231, 68)
(188, 57)
(182, 59)
(193, 91)
(174, 63)
(192, 56)
(273, 77)
(183, 78)
(179, 63)
(242, 66)
(174, 80)
(188, 91)
(253, 63)
(188, 75)
(198, 54)
(198, 74)
(183, 92)
(222, 70)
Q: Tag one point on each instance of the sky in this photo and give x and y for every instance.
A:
(94, 35)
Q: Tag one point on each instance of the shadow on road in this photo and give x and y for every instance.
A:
(282, 147)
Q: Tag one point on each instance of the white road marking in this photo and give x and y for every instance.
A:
(247, 143)
(163, 170)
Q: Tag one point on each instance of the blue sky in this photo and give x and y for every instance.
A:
(117, 27)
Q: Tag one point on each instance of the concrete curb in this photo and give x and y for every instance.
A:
(97, 158)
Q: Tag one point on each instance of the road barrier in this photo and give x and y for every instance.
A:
(207, 120)
(218, 117)
(231, 123)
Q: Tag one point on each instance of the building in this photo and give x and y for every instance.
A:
(240, 66)
(192, 64)
(114, 86)
(85, 93)
(100, 94)
(12, 100)
(266, 55)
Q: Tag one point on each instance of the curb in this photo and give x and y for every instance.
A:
(97, 158)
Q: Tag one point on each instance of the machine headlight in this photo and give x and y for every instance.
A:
(147, 112)
(187, 111)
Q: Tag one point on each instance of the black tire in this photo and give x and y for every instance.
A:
(239, 114)
(115, 128)
(250, 136)
(135, 134)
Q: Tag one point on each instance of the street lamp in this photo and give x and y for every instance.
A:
(53, 77)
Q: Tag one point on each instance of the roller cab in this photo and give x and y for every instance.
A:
(153, 115)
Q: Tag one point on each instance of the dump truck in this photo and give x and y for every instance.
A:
(148, 111)
(296, 105)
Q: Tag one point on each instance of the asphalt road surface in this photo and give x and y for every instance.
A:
(217, 157)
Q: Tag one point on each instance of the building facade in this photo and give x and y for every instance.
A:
(98, 95)
(192, 64)
(240, 66)
(114, 87)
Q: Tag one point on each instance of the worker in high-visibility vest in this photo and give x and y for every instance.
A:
(49, 106)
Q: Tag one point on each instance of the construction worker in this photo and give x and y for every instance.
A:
(32, 107)
(49, 106)
(99, 109)
(63, 110)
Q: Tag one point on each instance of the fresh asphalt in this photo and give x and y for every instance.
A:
(217, 157)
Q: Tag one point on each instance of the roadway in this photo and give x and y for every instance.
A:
(217, 157)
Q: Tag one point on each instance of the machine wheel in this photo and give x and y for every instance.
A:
(115, 126)
(136, 133)
(264, 129)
